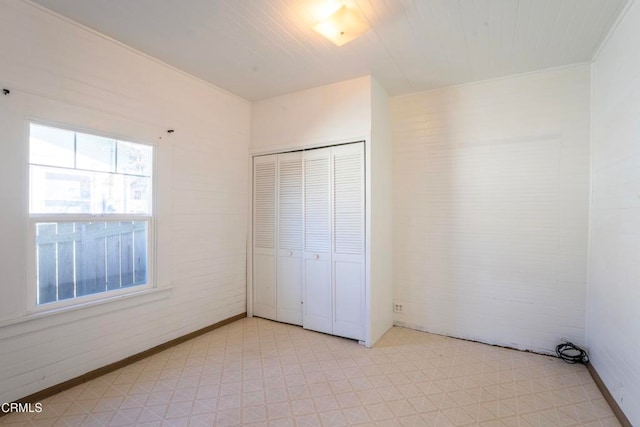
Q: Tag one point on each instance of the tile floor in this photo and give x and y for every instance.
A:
(256, 372)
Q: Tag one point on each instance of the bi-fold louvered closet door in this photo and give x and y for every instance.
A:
(308, 239)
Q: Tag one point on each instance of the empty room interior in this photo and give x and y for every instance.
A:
(320, 212)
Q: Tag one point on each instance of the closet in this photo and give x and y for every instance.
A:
(309, 239)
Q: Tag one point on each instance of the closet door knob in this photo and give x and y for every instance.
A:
(290, 253)
(317, 256)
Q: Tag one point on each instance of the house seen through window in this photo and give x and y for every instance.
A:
(90, 204)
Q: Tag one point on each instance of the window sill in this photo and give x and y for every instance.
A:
(58, 316)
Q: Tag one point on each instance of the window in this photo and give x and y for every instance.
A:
(90, 205)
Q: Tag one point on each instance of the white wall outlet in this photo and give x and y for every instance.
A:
(397, 308)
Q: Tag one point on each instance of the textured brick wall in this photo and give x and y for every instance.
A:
(613, 309)
(63, 73)
(491, 185)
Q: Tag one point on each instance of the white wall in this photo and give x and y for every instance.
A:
(613, 310)
(60, 72)
(338, 112)
(491, 208)
(381, 206)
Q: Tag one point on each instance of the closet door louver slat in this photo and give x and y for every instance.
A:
(348, 207)
(290, 236)
(265, 205)
(290, 204)
(316, 204)
(264, 236)
(348, 240)
(318, 300)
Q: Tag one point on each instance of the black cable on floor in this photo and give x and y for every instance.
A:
(571, 353)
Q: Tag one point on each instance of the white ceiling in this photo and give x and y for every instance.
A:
(262, 48)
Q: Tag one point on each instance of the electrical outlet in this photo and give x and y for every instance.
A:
(397, 308)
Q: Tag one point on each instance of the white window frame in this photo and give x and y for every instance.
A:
(34, 218)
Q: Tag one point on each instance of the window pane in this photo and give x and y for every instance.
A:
(55, 190)
(83, 174)
(90, 263)
(129, 194)
(64, 255)
(89, 257)
(134, 159)
(51, 146)
(47, 263)
(95, 153)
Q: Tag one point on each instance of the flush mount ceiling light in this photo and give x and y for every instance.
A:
(343, 26)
